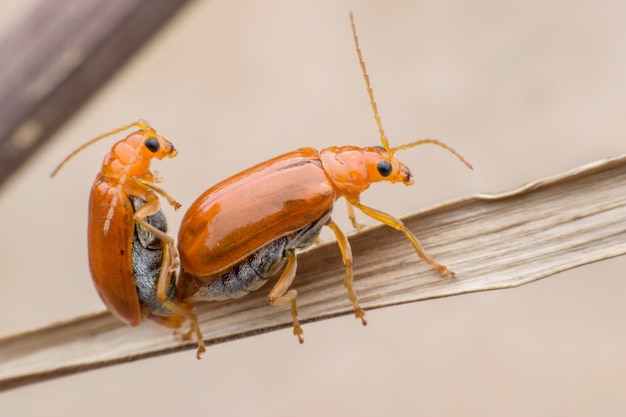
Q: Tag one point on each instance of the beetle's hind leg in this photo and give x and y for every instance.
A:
(281, 294)
(186, 312)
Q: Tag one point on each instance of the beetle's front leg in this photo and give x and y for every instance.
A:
(397, 224)
(160, 191)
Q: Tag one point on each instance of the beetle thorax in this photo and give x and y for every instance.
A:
(353, 169)
(346, 167)
(126, 159)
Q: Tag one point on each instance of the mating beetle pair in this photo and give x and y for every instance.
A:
(237, 234)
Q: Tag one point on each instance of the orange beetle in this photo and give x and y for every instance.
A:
(132, 258)
(243, 230)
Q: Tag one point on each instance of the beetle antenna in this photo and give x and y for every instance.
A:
(431, 142)
(370, 92)
(141, 124)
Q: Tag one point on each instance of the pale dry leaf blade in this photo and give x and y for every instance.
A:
(490, 241)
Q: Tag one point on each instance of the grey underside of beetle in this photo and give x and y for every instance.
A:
(147, 257)
(252, 273)
(247, 276)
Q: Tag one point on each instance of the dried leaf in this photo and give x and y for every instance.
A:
(490, 241)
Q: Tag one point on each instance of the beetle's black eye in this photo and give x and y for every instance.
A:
(152, 144)
(380, 148)
(384, 168)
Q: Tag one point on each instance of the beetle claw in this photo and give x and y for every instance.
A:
(357, 225)
(297, 330)
(359, 313)
(174, 265)
(444, 271)
(201, 350)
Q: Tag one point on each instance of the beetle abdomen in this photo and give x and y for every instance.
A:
(246, 276)
(147, 259)
(252, 273)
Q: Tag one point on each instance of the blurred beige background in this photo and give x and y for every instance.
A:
(522, 89)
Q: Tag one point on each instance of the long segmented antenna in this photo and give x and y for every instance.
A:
(370, 92)
(140, 124)
(431, 142)
(383, 137)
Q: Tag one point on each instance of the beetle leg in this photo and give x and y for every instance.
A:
(397, 224)
(346, 255)
(355, 223)
(187, 313)
(173, 322)
(152, 206)
(160, 191)
(169, 264)
(157, 176)
(279, 294)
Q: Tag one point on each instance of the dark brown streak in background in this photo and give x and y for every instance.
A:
(58, 56)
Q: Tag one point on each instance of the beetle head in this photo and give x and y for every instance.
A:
(383, 166)
(155, 146)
